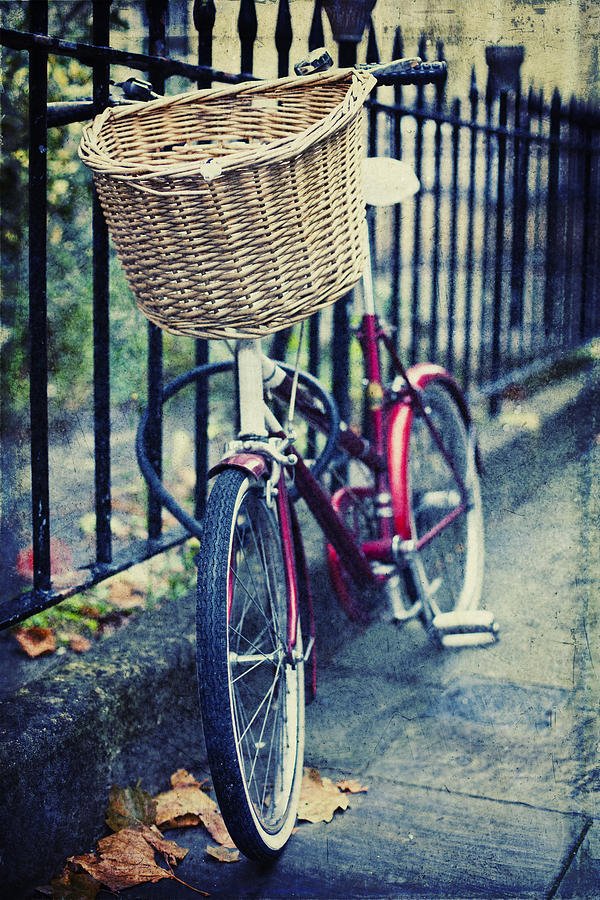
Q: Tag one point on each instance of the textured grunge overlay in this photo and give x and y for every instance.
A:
(483, 764)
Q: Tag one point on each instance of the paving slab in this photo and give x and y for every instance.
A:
(397, 841)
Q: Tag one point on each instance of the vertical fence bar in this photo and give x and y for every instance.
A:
(415, 324)
(157, 11)
(571, 218)
(519, 202)
(102, 424)
(316, 36)
(586, 250)
(372, 57)
(552, 289)
(283, 38)
(396, 151)
(204, 14)
(247, 30)
(38, 326)
(594, 115)
(487, 222)
(341, 315)
(437, 201)
(453, 259)
(520, 215)
(474, 104)
(499, 249)
(283, 43)
(316, 39)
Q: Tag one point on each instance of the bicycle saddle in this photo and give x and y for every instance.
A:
(388, 181)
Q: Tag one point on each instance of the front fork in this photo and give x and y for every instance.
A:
(263, 457)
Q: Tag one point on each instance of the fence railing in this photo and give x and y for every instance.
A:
(492, 268)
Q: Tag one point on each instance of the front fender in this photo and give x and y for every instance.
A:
(252, 464)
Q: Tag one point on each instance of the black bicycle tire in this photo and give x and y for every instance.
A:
(214, 682)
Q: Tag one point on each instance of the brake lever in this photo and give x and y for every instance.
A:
(135, 89)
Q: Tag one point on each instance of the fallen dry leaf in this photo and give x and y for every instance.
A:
(126, 858)
(171, 851)
(129, 806)
(319, 798)
(79, 643)
(214, 824)
(35, 641)
(351, 786)
(223, 854)
(183, 778)
(186, 804)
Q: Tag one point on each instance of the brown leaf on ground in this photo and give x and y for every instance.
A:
(319, 798)
(351, 786)
(72, 885)
(171, 851)
(126, 858)
(129, 806)
(214, 824)
(181, 802)
(186, 804)
(35, 641)
(79, 643)
(183, 778)
(223, 854)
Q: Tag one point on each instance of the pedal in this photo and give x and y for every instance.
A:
(466, 628)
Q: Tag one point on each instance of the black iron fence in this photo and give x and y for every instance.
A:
(492, 269)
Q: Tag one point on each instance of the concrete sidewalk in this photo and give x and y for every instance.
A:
(496, 746)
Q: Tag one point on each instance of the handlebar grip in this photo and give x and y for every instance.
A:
(410, 71)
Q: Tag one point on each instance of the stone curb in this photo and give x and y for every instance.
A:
(63, 735)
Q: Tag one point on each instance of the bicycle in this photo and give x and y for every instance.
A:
(402, 518)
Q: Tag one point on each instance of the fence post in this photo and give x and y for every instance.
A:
(587, 252)
(553, 248)
(396, 153)
(435, 275)
(283, 38)
(247, 30)
(316, 37)
(474, 106)
(494, 405)
(204, 14)
(414, 310)
(38, 326)
(341, 315)
(485, 251)
(453, 260)
(157, 11)
(102, 424)
(520, 208)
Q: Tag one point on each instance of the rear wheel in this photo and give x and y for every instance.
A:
(251, 692)
(451, 563)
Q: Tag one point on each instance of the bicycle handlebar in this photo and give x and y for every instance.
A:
(408, 71)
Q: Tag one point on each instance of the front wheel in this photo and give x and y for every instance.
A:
(449, 564)
(251, 691)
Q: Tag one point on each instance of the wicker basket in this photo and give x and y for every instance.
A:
(236, 212)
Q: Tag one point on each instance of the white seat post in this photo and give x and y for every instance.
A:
(250, 387)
